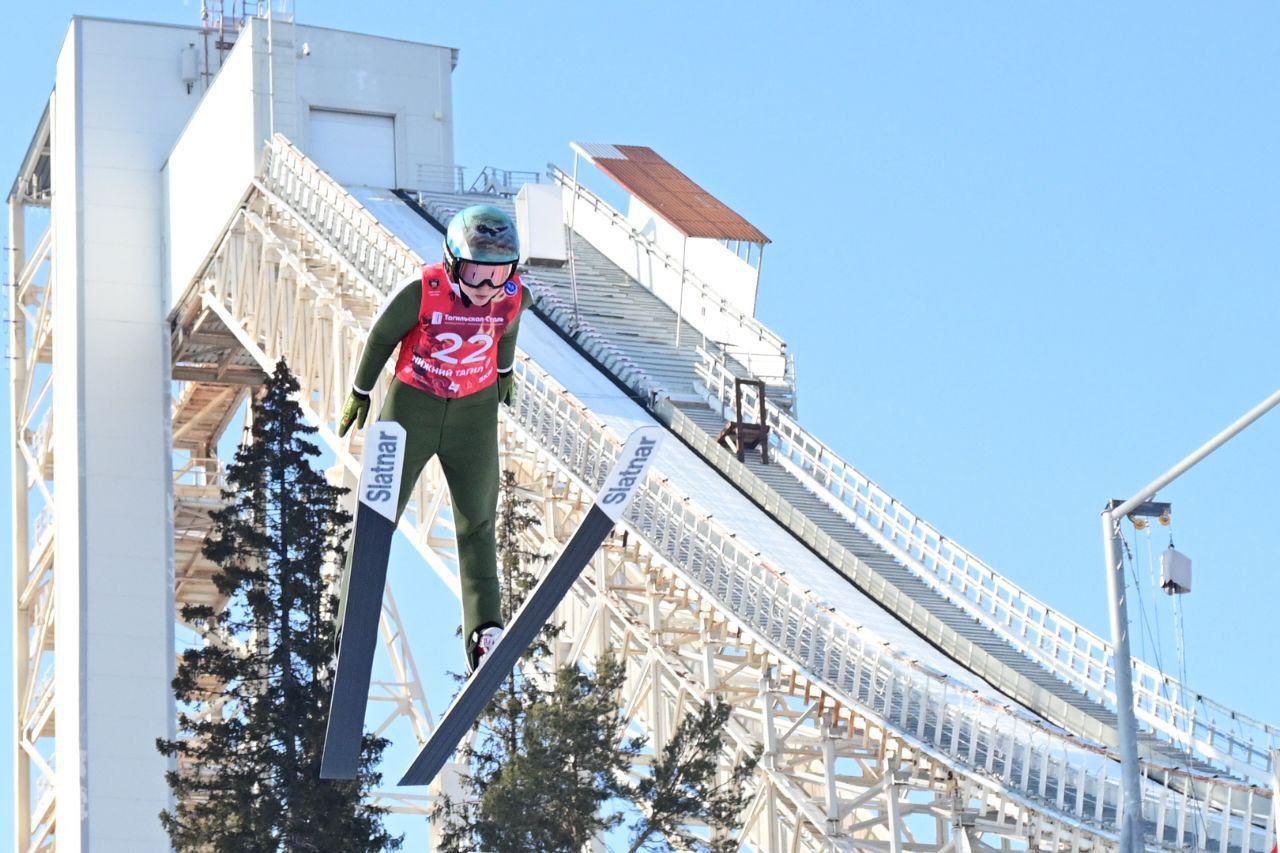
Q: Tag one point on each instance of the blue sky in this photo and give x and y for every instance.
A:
(1026, 254)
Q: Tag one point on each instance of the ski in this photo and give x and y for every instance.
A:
(611, 501)
(371, 547)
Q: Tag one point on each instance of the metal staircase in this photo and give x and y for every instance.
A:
(850, 725)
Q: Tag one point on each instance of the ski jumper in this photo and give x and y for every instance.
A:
(445, 395)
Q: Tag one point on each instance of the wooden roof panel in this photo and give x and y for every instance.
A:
(673, 196)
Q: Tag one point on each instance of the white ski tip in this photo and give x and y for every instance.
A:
(383, 464)
(629, 471)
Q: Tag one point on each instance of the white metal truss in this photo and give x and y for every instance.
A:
(782, 801)
(830, 778)
(270, 291)
(32, 530)
(276, 291)
(214, 375)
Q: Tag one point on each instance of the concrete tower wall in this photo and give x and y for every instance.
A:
(369, 74)
(145, 175)
(118, 104)
(210, 168)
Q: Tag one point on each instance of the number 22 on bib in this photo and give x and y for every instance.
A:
(452, 351)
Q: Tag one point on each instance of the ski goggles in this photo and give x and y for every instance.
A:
(477, 275)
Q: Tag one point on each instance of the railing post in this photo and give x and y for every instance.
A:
(573, 257)
(684, 247)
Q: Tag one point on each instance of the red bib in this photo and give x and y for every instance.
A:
(453, 351)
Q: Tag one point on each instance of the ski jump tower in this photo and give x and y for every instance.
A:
(197, 203)
(152, 136)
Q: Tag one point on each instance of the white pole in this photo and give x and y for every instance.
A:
(1131, 831)
(271, 72)
(573, 263)
(1126, 721)
(684, 247)
(755, 299)
(892, 806)
(1211, 445)
(20, 553)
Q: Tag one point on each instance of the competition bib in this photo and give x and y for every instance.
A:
(452, 352)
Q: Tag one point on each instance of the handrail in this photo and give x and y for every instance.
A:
(380, 256)
(503, 181)
(974, 736)
(1189, 720)
(445, 178)
(201, 472)
(777, 346)
(970, 733)
(977, 659)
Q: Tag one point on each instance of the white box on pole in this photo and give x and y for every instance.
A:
(1175, 572)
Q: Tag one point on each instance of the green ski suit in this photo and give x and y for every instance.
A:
(463, 432)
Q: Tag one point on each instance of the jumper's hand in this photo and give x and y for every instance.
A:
(507, 388)
(356, 410)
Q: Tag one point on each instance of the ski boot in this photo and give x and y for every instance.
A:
(480, 643)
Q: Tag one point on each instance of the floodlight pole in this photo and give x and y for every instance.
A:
(1126, 722)
(1132, 832)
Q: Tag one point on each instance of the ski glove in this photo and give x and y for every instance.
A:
(356, 410)
(507, 388)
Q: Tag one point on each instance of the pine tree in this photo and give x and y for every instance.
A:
(685, 787)
(254, 698)
(546, 760)
(571, 758)
(547, 763)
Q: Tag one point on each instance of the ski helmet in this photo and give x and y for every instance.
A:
(482, 234)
